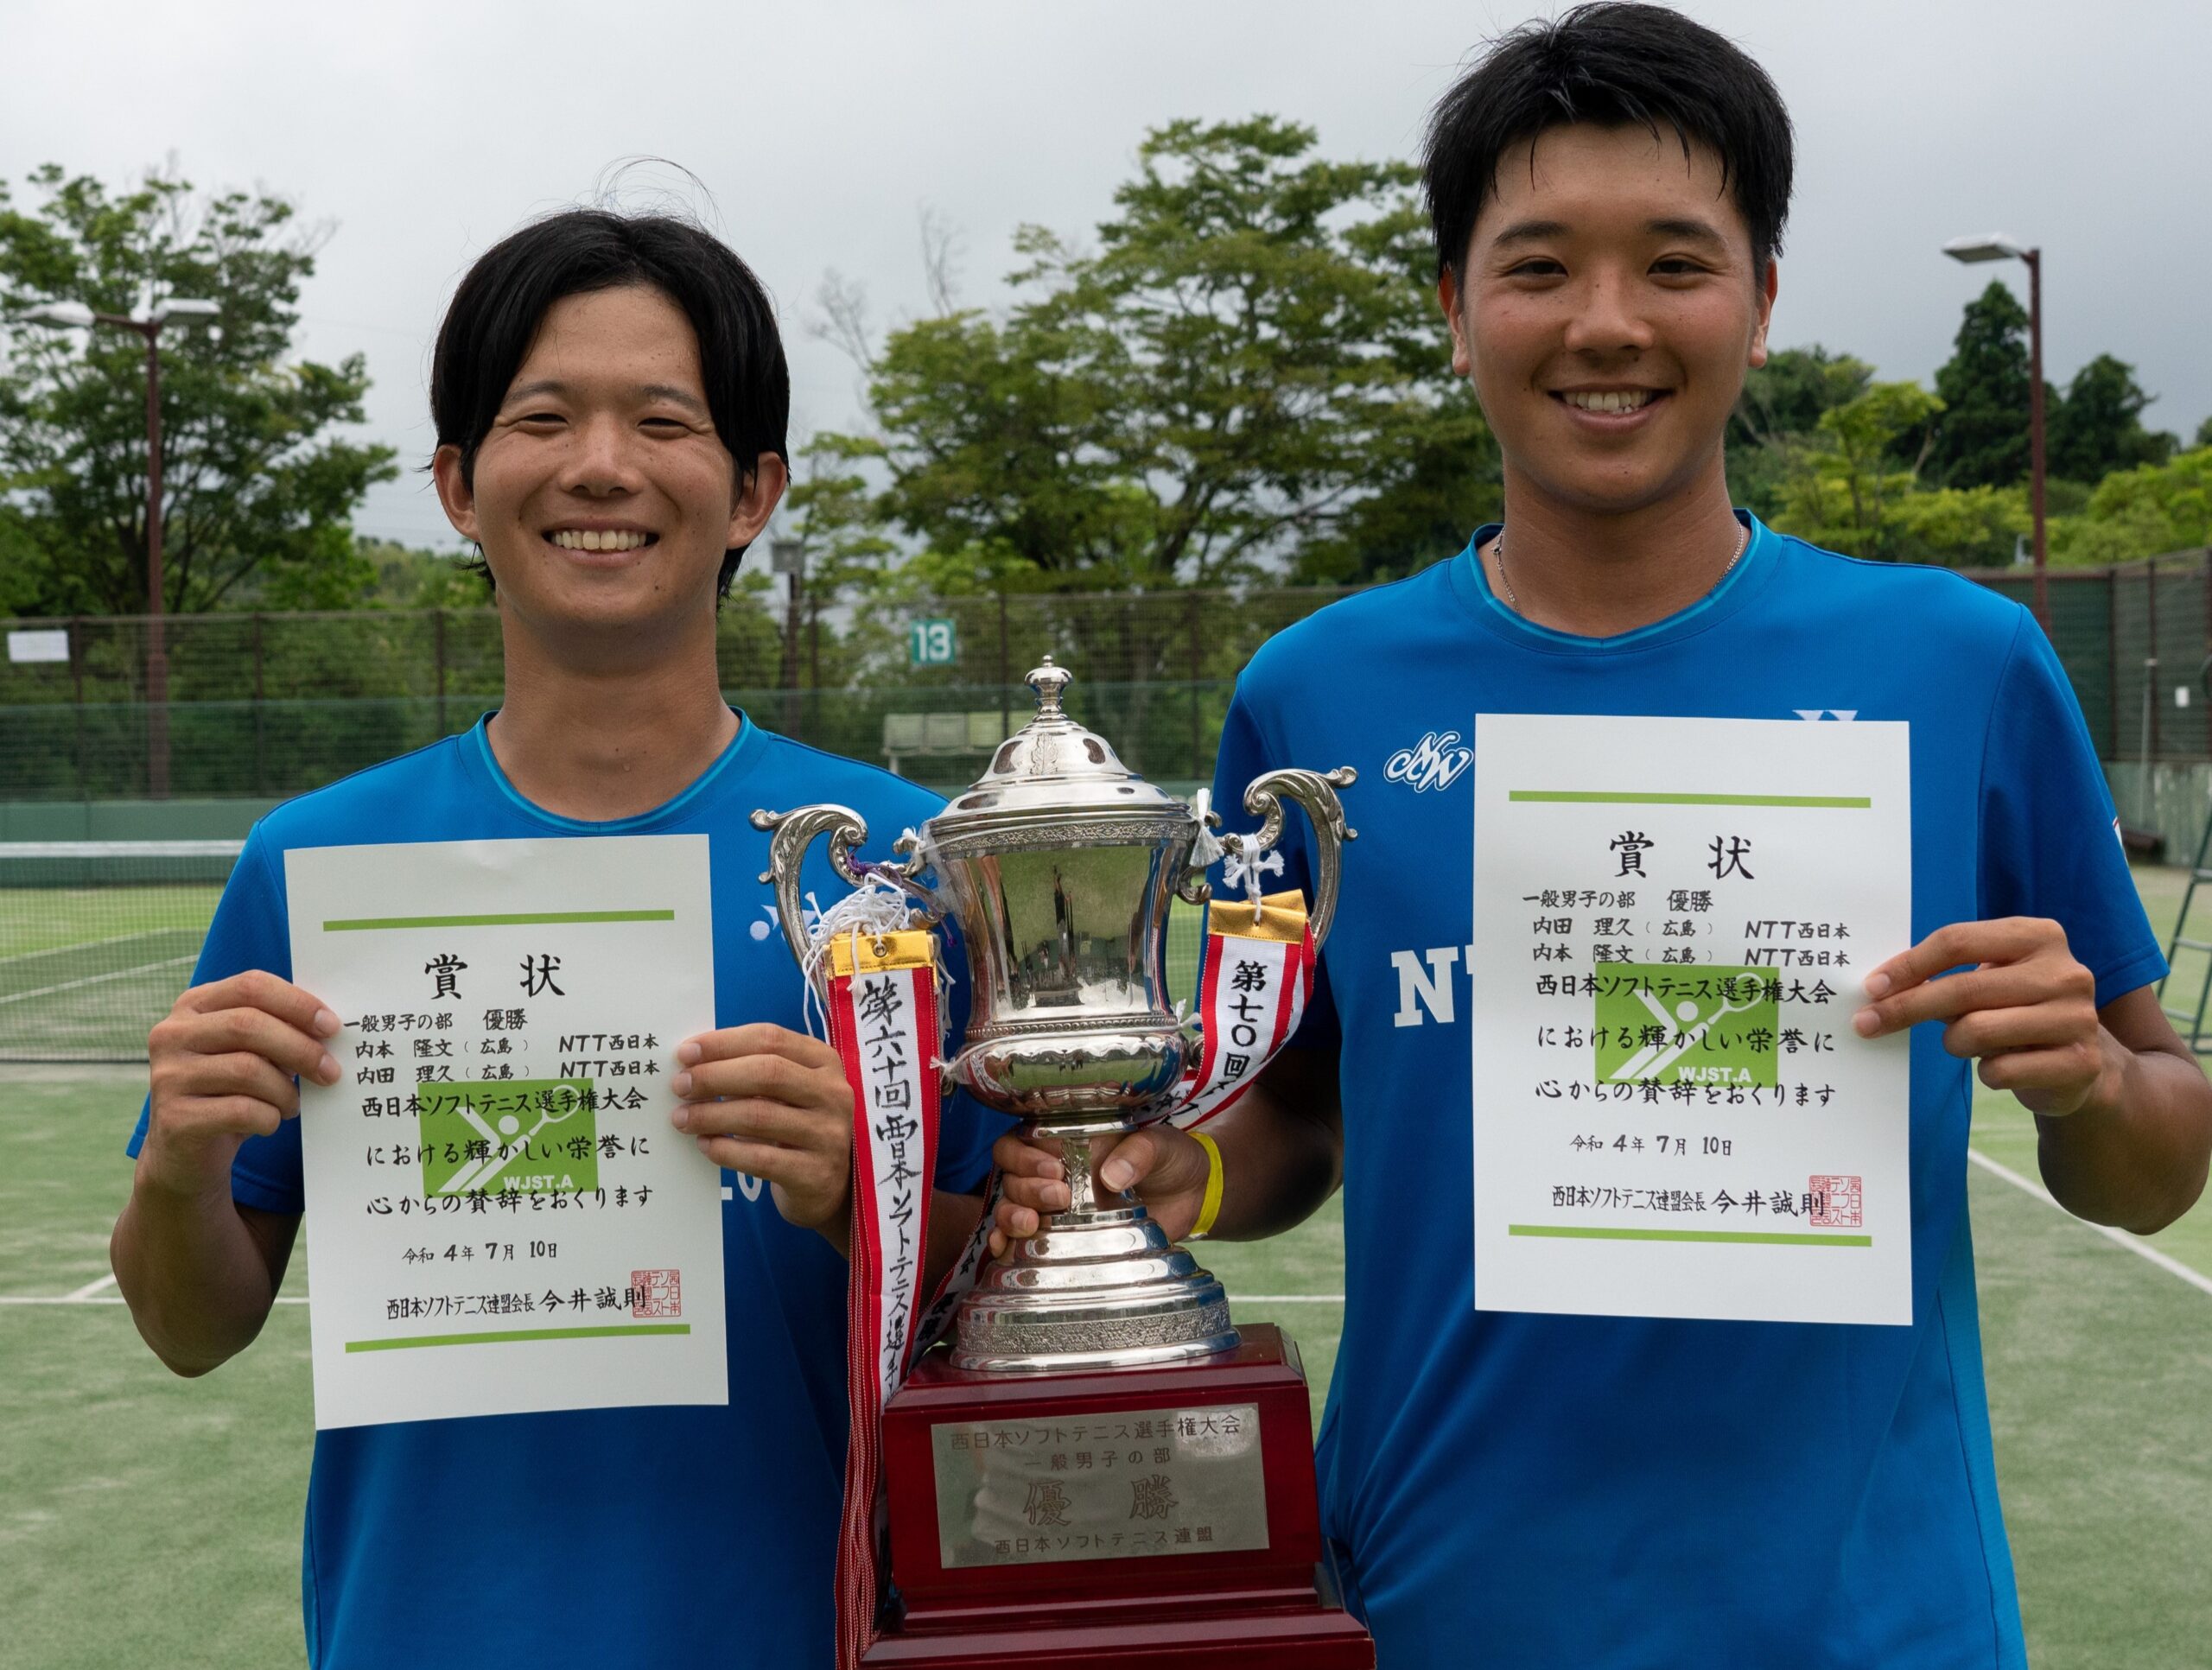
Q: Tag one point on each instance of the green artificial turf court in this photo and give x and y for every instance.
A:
(86, 971)
(147, 1520)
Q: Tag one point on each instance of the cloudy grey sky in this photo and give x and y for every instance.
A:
(423, 130)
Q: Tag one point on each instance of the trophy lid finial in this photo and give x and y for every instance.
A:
(1053, 766)
(1048, 681)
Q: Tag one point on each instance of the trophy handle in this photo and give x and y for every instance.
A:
(1193, 888)
(1316, 791)
(794, 833)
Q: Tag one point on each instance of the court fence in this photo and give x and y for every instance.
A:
(97, 937)
(271, 705)
(263, 706)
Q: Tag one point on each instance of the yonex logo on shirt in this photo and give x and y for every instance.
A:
(1434, 762)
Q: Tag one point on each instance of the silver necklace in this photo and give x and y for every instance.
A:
(1497, 551)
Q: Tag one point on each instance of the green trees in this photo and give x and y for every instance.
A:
(1242, 373)
(1847, 491)
(2098, 428)
(1982, 437)
(1779, 410)
(1982, 441)
(2144, 511)
(258, 495)
(1888, 471)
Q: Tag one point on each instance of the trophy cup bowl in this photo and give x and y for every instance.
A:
(1060, 867)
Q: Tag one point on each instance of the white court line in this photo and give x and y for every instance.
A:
(1287, 1299)
(2172, 1266)
(94, 980)
(97, 1298)
(91, 1287)
(86, 944)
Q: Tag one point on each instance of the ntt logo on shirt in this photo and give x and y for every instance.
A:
(1434, 762)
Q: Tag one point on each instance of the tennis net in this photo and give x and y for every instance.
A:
(97, 938)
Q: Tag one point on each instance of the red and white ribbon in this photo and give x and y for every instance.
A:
(883, 1023)
(1251, 1000)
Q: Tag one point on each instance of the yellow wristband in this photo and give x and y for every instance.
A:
(1210, 1207)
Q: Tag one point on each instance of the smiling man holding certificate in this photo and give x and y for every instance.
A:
(1660, 1344)
(575, 1179)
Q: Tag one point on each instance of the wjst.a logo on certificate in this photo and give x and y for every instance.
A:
(532, 1136)
(1673, 1116)
(1670, 1023)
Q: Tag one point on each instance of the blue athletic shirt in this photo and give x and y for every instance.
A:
(1533, 1490)
(671, 1537)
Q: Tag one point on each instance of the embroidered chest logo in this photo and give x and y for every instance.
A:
(1434, 762)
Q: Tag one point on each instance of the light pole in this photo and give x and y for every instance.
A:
(787, 557)
(1998, 247)
(178, 310)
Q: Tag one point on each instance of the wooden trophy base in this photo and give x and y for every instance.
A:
(1119, 1519)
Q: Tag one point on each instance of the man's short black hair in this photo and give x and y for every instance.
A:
(1612, 65)
(496, 313)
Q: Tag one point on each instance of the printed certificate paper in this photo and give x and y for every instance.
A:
(1673, 1116)
(500, 1218)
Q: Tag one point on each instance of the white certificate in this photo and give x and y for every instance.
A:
(500, 1218)
(1674, 919)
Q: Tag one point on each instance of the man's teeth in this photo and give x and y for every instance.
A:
(1612, 400)
(592, 539)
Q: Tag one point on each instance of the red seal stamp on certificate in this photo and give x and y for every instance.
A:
(657, 1292)
(1837, 1202)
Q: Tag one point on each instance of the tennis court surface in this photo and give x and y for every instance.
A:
(97, 938)
(148, 1520)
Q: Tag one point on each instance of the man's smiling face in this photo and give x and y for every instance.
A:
(1607, 314)
(603, 497)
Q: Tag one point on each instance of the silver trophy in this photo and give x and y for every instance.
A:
(1059, 865)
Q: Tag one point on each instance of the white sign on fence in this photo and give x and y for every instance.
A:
(45, 645)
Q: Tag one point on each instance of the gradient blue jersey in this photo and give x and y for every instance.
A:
(1527, 1490)
(671, 1537)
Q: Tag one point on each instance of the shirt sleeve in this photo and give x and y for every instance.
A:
(1246, 752)
(250, 931)
(2050, 839)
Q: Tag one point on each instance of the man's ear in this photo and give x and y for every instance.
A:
(1447, 297)
(757, 502)
(1767, 286)
(454, 493)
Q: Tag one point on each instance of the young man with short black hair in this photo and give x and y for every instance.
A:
(610, 397)
(1512, 1489)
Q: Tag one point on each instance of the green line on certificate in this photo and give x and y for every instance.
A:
(1610, 797)
(1756, 1237)
(525, 918)
(509, 1335)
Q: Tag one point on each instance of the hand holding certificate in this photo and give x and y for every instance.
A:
(773, 1104)
(221, 1067)
(2026, 1005)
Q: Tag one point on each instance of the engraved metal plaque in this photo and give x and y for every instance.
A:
(1100, 1486)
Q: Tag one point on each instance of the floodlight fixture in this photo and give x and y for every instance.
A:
(182, 310)
(1995, 247)
(73, 313)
